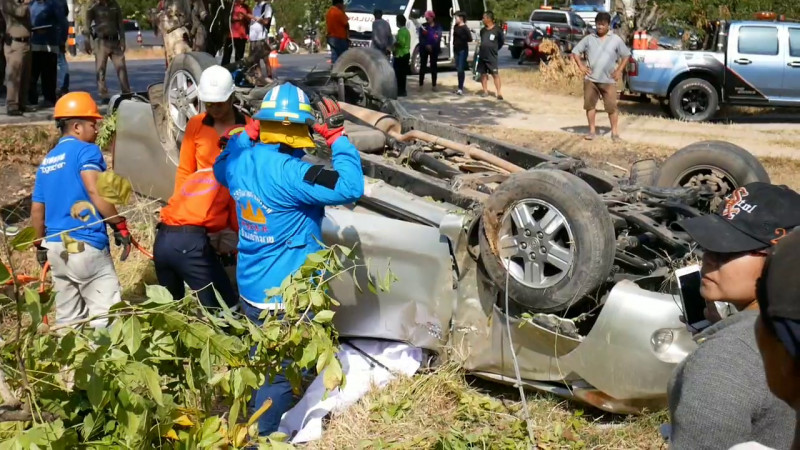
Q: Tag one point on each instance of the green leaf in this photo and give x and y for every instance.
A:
(332, 377)
(158, 294)
(153, 383)
(5, 275)
(233, 415)
(24, 239)
(114, 188)
(33, 306)
(132, 334)
(322, 362)
(309, 354)
(316, 258)
(95, 391)
(205, 359)
(323, 316)
(317, 299)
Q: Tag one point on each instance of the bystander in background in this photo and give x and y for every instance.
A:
(607, 56)
(402, 55)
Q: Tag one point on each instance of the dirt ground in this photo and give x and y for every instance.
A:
(539, 105)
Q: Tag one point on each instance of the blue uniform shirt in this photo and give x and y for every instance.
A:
(60, 188)
(280, 205)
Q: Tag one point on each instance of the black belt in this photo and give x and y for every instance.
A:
(181, 228)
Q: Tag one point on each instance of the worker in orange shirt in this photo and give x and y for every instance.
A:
(183, 252)
(200, 149)
(338, 30)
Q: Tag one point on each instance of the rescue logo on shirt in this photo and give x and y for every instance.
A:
(53, 163)
(252, 217)
(199, 185)
(736, 203)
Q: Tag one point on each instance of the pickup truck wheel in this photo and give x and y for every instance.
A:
(693, 100)
(553, 232)
(415, 63)
(372, 67)
(515, 52)
(180, 95)
(719, 165)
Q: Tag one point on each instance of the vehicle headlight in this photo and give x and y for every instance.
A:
(661, 340)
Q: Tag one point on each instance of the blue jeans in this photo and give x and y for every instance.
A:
(279, 390)
(63, 72)
(338, 46)
(461, 67)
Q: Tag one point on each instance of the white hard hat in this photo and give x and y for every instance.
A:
(216, 85)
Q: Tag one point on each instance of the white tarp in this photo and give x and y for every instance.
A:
(362, 374)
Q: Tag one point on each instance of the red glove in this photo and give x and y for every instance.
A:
(122, 237)
(253, 129)
(332, 126)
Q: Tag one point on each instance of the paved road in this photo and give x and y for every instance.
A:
(145, 72)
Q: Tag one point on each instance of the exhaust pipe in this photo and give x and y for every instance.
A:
(393, 128)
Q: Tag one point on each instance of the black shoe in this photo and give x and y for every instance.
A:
(30, 109)
(15, 113)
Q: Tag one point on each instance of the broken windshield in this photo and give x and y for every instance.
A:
(389, 7)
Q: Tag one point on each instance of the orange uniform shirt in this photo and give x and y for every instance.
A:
(200, 146)
(203, 202)
(337, 23)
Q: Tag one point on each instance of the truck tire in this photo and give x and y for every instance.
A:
(693, 100)
(720, 165)
(556, 235)
(180, 91)
(414, 63)
(515, 52)
(373, 68)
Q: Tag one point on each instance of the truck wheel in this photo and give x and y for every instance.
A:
(372, 67)
(720, 165)
(180, 91)
(415, 63)
(515, 52)
(693, 100)
(553, 232)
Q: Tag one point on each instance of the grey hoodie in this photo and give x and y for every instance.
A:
(718, 396)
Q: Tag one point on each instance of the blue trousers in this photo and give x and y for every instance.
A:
(461, 67)
(279, 390)
(338, 46)
(63, 73)
(184, 254)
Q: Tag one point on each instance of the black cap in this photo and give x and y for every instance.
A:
(779, 292)
(753, 217)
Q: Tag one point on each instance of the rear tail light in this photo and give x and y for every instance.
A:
(633, 68)
(549, 30)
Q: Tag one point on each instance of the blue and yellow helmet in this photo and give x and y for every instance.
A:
(285, 103)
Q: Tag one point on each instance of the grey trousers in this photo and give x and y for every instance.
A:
(86, 283)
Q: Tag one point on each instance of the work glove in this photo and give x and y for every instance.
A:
(332, 120)
(253, 130)
(41, 255)
(122, 237)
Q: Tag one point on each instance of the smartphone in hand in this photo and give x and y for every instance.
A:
(693, 304)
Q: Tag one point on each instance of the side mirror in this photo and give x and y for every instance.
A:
(415, 14)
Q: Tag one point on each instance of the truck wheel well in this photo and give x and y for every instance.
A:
(694, 74)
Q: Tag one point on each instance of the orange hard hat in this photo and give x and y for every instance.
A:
(78, 105)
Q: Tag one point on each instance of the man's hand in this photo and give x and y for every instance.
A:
(586, 70)
(41, 255)
(617, 75)
(122, 237)
(332, 126)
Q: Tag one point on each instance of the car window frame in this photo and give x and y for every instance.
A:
(742, 33)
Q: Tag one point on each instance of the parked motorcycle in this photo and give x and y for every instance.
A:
(311, 42)
(287, 44)
(530, 52)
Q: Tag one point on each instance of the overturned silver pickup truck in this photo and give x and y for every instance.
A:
(479, 232)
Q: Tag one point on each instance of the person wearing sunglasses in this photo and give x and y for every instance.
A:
(718, 396)
(777, 329)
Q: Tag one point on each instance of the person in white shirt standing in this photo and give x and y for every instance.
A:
(259, 28)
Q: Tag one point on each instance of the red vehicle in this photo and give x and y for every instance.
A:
(530, 50)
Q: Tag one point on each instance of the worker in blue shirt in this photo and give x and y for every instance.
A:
(66, 201)
(280, 202)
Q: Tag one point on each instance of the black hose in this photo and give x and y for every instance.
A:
(426, 160)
